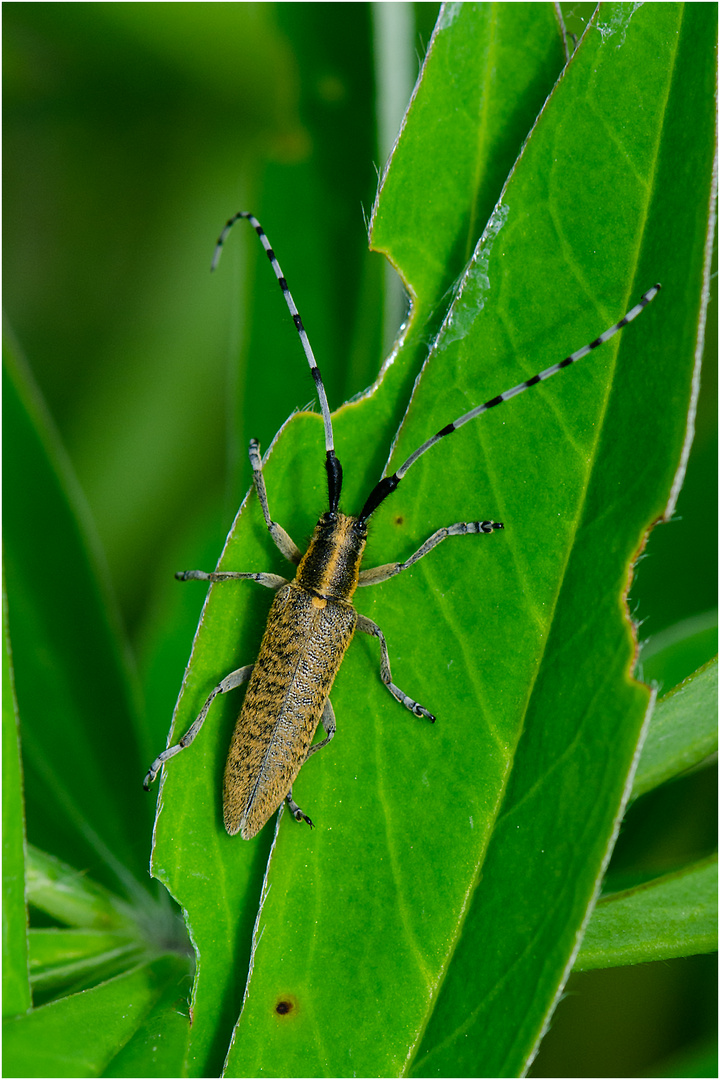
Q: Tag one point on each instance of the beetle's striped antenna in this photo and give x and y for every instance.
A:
(388, 484)
(333, 466)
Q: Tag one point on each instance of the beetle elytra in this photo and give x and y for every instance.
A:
(312, 619)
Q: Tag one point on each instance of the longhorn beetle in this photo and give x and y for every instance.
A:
(312, 619)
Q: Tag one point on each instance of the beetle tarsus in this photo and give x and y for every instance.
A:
(296, 811)
(299, 816)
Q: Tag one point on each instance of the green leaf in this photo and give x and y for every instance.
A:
(61, 958)
(113, 938)
(477, 108)
(675, 915)
(75, 693)
(583, 715)
(470, 114)
(73, 898)
(78, 710)
(697, 1060)
(682, 731)
(16, 985)
(159, 1046)
(189, 833)
(80, 1035)
(673, 654)
(108, 935)
(484, 837)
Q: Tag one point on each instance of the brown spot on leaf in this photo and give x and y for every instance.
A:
(286, 1005)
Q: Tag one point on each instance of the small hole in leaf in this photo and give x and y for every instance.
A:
(285, 1005)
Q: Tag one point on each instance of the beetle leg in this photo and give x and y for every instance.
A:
(369, 627)
(230, 682)
(285, 543)
(329, 725)
(270, 581)
(282, 540)
(381, 573)
(328, 722)
(296, 811)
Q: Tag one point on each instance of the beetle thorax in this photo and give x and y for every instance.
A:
(331, 564)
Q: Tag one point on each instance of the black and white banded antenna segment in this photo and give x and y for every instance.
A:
(334, 469)
(389, 483)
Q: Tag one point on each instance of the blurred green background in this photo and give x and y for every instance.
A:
(132, 132)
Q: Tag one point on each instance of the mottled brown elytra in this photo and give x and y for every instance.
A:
(312, 619)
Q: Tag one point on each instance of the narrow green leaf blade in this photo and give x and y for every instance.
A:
(75, 693)
(15, 980)
(61, 958)
(698, 1060)
(673, 654)
(675, 915)
(72, 897)
(682, 732)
